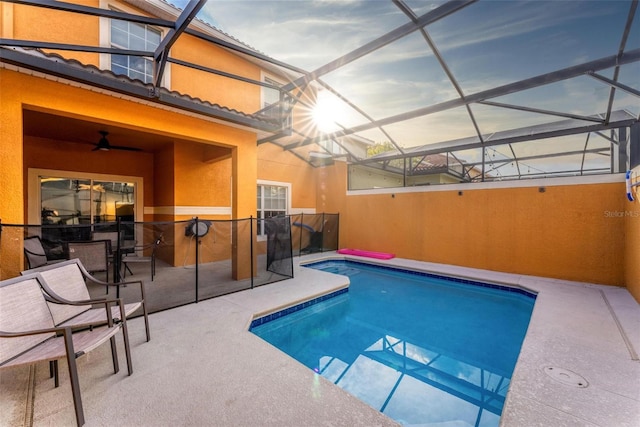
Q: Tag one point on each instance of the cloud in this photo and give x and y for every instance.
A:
(487, 44)
(488, 21)
(304, 33)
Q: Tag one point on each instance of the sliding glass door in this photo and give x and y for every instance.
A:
(78, 201)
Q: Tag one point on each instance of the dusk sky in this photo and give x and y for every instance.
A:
(487, 44)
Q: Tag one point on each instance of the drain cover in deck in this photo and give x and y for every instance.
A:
(566, 377)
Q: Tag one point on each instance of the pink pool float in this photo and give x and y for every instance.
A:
(368, 254)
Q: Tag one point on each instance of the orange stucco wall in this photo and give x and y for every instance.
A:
(179, 171)
(331, 190)
(276, 164)
(164, 173)
(564, 232)
(200, 183)
(236, 94)
(11, 200)
(42, 24)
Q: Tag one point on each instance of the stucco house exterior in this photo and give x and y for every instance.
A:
(190, 115)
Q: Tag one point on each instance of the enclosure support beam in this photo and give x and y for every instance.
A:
(428, 18)
(95, 11)
(619, 152)
(162, 51)
(530, 83)
(634, 146)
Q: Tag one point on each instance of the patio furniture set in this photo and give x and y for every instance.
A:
(97, 255)
(47, 314)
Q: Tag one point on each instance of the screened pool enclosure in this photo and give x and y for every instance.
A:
(408, 92)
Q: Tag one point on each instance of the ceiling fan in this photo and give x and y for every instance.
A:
(105, 145)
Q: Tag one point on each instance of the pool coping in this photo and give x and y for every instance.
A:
(261, 319)
(426, 273)
(285, 309)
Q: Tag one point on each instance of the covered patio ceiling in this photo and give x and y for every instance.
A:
(54, 127)
(419, 77)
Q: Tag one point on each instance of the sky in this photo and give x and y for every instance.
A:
(487, 44)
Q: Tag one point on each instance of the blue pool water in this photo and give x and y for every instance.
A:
(419, 348)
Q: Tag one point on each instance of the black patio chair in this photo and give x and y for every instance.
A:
(35, 253)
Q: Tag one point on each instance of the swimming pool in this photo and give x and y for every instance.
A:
(420, 348)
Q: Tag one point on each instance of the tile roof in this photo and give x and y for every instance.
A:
(61, 66)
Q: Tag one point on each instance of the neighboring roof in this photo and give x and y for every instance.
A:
(432, 162)
(529, 133)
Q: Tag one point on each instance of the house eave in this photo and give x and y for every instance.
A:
(59, 67)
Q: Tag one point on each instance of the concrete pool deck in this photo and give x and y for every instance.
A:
(203, 367)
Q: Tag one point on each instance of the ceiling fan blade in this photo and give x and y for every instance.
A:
(119, 147)
(104, 145)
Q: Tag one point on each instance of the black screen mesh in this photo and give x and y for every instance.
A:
(279, 250)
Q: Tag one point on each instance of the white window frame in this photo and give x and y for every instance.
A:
(269, 78)
(263, 237)
(105, 38)
(263, 93)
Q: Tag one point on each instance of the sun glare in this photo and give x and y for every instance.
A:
(327, 112)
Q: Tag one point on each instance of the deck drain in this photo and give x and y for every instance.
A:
(566, 377)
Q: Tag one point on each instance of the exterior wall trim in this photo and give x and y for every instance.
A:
(297, 211)
(541, 182)
(187, 210)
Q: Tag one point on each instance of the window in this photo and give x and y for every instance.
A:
(58, 197)
(134, 36)
(66, 201)
(273, 200)
(271, 98)
(85, 201)
(332, 146)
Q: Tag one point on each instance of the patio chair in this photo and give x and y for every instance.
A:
(35, 254)
(112, 236)
(116, 241)
(67, 281)
(141, 259)
(28, 333)
(94, 255)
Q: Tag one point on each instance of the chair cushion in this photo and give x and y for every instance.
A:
(66, 281)
(93, 254)
(22, 308)
(34, 251)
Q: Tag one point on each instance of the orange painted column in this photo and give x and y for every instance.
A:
(244, 159)
(11, 175)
